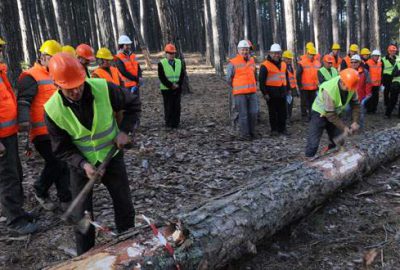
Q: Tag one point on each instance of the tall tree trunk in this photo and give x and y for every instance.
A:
(306, 23)
(62, 33)
(245, 19)
(364, 24)
(114, 25)
(104, 14)
(312, 20)
(357, 20)
(349, 23)
(120, 11)
(289, 23)
(24, 32)
(260, 30)
(335, 23)
(374, 39)
(143, 20)
(216, 33)
(273, 22)
(321, 14)
(208, 33)
(234, 24)
(94, 29)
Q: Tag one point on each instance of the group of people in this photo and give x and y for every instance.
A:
(74, 118)
(334, 95)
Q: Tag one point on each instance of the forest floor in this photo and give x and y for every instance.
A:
(169, 170)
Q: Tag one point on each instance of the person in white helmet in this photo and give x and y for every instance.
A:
(241, 76)
(374, 66)
(273, 79)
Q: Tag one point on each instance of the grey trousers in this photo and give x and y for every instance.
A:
(247, 106)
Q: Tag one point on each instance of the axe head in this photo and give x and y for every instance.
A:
(83, 225)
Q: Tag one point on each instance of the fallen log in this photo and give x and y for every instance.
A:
(230, 226)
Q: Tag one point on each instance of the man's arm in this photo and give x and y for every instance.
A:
(262, 77)
(182, 75)
(230, 73)
(331, 114)
(27, 90)
(321, 77)
(121, 68)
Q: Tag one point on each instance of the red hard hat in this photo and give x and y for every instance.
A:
(85, 51)
(66, 71)
(328, 58)
(349, 77)
(170, 48)
(392, 48)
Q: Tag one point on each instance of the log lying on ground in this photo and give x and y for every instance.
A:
(231, 225)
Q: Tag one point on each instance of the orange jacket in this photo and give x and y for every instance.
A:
(244, 80)
(336, 64)
(309, 76)
(8, 106)
(275, 76)
(113, 77)
(347, 59)
(292, 79)
(46, 89)
(131, 65)
(375, 71)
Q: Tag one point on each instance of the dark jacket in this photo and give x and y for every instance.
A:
(272, 91)
(164, 80)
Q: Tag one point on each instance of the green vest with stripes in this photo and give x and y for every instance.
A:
(387, 66)
(333, 91)
(327, 75)
(171, 74)
(97, 142)
(397, 79)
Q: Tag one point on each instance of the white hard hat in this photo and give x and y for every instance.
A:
(356, 57)
(376, 52)
(243, 44)
(123, 39)
(275, 48)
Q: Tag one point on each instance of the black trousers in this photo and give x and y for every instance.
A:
(172, 107)
(372, 103)
(393, 98)
(11, 193)
(277, 113)
(308, 97)
(386, 82)
(54, 171)
(315, 131)
(116, 181)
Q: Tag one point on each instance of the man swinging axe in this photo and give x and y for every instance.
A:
(82, 127)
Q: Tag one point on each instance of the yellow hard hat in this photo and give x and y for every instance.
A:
(354, 47)
(104, 53)
(2, 42)
(335, 46)
(312, 50)
(365, 51)
(50, 47)
(68, 49)
(310, 44)
(287, 54)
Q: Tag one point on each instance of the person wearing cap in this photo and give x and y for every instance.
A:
(85, 54)
(327, 72)
(337, 60)
(332, 99)
(365, 54)
(11, 192)
(307, 79)
(129, 69)
(310, 45)
(35, 87)
(273, 80)
(287, 57)
(388, 63)
(82, 127)
(353, 49)
(394, 90)
(171, 72)
(69, 49)
(241, 77)
(374, 66)
(106, 70)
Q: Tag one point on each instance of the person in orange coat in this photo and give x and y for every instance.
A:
(105, 69)
(374, 66)
(35, 87)
(85, 55)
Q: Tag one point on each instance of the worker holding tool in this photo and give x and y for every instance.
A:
(81, 123)
(332, 99)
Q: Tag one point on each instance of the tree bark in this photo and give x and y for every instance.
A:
(216, 32)
(273, 22)
(349, 23)
(24, 32)
(335, 23)
(246, 19)
(364, 24)
(313, 23)
(374, 38)
(259, 30)
(234, 24)
(104, 14)
(230, 226)
(143, 20)
(208, 33)
(322, 37)
(289, 24)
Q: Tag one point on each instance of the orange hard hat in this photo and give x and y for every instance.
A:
(85, 51)
(170, 48)
(328, 58)
(349, 77)
(392, 48)
(66, 71)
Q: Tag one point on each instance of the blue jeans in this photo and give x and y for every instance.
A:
(247, 106)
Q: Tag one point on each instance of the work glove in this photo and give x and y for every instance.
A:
(134, 89)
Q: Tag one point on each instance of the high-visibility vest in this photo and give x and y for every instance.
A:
(131, 66)
(328, 75)
(375, 72)
(8, 106)
(309, 76)
(46, 89)
(275, 77)
(171, 74)
(387, 65)
(292, 78)
(94, 144)
(347, 59)
(332, 88)
(244, 80)
(397, 78)
(336, 63)
(113, 77)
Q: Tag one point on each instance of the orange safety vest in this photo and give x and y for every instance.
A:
(336, 64)
(347, 59)
(292, 79)
(275, 76)
(46, 89)
(8, 106)
(113, 77)
(244, 80)
(131, 65)
(375, 71)
(309, 76)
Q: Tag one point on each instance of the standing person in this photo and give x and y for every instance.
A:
(273, 80)
(388, 63)
(35, 87)
(11, 193)
(333, 97)
(307, 79)
(327, 72)
(353, 49)
(365, 54)
(287, 57)
(105, 69)
(171, 74)
(337, 60)
(374, 66)
(85, 55)
(394, 90)
(241, 76)
(82, 127)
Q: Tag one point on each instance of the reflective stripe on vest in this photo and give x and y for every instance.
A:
(43, 82)
(8, 107)
(328, 75)
(38, 124)
(171, 74)
(8, 123)
(309, 76)
(243, 81)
